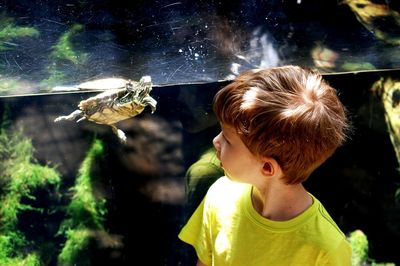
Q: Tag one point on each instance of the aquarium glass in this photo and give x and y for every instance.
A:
(46, 43)
(87, 193)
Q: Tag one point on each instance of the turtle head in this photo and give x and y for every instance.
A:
(142, 87)
(146, 84)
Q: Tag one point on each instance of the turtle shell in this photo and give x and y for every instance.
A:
(110, 107)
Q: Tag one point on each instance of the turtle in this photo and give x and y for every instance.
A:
(121, 102)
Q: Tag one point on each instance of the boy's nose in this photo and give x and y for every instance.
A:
(216, 141)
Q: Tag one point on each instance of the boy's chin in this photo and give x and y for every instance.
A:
(233, 179)
(229, 176)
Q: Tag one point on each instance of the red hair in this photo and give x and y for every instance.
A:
(288, 113)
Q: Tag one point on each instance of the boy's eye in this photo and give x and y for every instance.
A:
(227, 141)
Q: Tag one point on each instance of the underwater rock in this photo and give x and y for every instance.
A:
(379, 18)
(389, 91)
(65, 148)
(153, 148)
(166, 191)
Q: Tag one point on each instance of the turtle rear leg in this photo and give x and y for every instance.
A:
(120, 134)
(70, 117)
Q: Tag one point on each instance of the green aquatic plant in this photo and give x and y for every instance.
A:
(20, 177)
(10, 84)
(359, 244)
(360, 247)
(9, 32)
(357, 66)
(64, 48)
(85, 212)
(64, 52)
(85, 208)
(55, 77)
(77, 243)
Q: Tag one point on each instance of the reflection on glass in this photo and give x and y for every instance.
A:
(44, 44)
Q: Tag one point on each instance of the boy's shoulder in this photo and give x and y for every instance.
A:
(224, 192)
(324, 230)
(225, 185)
(325, 218)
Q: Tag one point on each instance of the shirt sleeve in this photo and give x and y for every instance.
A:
(341, 256)
(196, 232)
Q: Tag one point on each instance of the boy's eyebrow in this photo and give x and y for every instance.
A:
(226, 132)
(225, 135)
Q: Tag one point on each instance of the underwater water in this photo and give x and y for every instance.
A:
(123, 204)
(74, 194)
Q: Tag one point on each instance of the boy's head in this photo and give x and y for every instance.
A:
(288, 113)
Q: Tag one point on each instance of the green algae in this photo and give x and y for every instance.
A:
(357, 66)
(9, 84)
(77, 244)
(85, 212)
(64, 48)
(20, 177)
(359, 244)
(360, 247)
(55, 77)
(64, 52)
(9, 31)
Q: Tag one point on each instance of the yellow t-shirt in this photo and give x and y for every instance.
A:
(226, 230)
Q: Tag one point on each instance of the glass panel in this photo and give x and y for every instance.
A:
(44, 44)
(74, 194)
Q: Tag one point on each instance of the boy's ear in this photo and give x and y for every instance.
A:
(270, 166)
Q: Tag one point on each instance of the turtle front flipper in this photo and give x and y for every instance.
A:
(151, 102)
(120, 134)
(70, 117)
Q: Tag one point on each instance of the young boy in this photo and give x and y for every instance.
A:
(278, 125)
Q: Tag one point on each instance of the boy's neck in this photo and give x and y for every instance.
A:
(280, 202)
